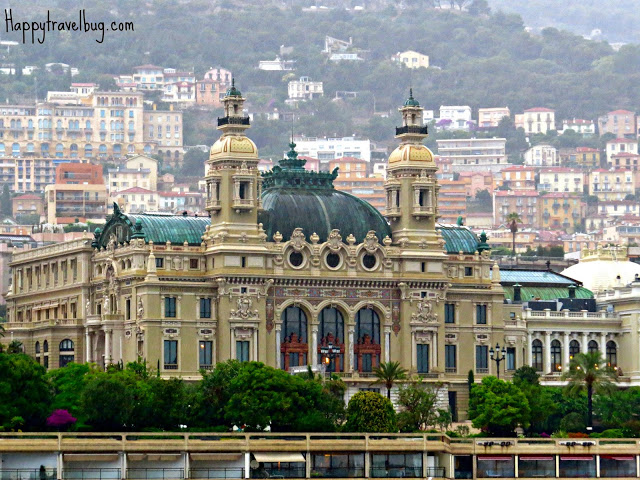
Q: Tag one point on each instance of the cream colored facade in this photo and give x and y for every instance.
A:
(163, 128)
(136, 200)
(412, 59)
(66, 202)
(561, 179)
(537, 120)
(412, 296)
(491, 117)
(138, 171)
(542, 156)
(305, 89)
(611, 184)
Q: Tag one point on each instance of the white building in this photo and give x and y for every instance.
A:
(326, 149)
(491, 117)
(536, 120)
(305, 89)
(621, 145)
(542, 156)
(458, 115)
(587, 128)
(276, 65)
(474, 154)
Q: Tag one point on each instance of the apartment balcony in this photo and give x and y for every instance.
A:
(213, 205)
(91, 474)
(337, 472)
(392, 212)
(155, 473)
(216, 473)
(416, 129)
(406, 472)
(73, 130)
(28, 474)
(233, 121)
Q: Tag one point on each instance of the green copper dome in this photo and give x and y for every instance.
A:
(233, 91)
(411, 102)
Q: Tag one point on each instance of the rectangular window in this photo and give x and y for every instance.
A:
(242, 350)
(482, 359)
(194, 263)
(206, 354)
(171, 354)
(449, 313)
(170, 307)
(468, 271)
(511, 358)
(205, 308)
(481, 314)
(423, 358)
(128, 309)
(450, 362)
(159, 262)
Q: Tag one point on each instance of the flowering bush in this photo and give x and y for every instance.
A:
(60, 419)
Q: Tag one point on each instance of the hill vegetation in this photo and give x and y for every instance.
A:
(478, 59)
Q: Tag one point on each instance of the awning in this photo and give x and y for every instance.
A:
(216, 457)
(620, 458)
(577, 457)
(90, 457)
(165, 457)
(279, 457)
(533, 458)
(497, 458)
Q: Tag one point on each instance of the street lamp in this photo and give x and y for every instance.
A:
(498, 356)
(328, 352)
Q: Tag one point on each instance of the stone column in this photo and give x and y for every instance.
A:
(603, 345)
(87, 346)
(434, 348)
(585, 342)
(254, 344)
(351, 347)
(565, 352)
(313, 355)
(107, 347)
(277, 346)
(547, 352)
(387, 344)
(414, 359)
(233, 343)
(529, 358)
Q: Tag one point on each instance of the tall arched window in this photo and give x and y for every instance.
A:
(147, 149)
(45, 350)
(293, 338)
(66, 352)
(44, 149)
(367, 344)
(30, 148)
(536, 355)
(88, 150)
(15, 149)
(592, 346)
(612, 354)
(59, 150)
(556, 356)
(331, 336)
(38, 352)
(574, 348)
(74, 150)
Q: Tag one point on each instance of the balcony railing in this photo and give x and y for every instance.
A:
(285, 472)
(396, 472)
(217, 473)
(337, 472)
(91, 474)
(155, 473)
(28, 474)
(412, 129)
(233, 121)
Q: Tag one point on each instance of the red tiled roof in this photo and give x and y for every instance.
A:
(622, 140)
(539, 109)
(586, 150)
(133, 190)
(560, 170)
(28, 196)
(83, 84)
(513, 168)
(179, 194)
(579, 121)
(516, 193)
(620, 112)
(624, 154)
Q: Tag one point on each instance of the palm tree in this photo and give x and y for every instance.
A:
(15, 347)
(513, 218)
(589, 371)
(389, 373)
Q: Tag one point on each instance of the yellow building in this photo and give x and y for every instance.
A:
(285, 266)
(137, 171)
(561, 211)
(412, 59)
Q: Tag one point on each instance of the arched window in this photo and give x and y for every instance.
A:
(293, 338)
(103, 125)
(59, 124)
(45, 346)
(88, 150)
(15, 149)
(592, 346)
(30, 124)
(87, 124)
(331, 335)
(66, 352)
(74, 150)
(574, 349)
(44, 148)
(556, 356)
(37, 348)
(102, 149)
(612, 354)
(130, 149)
(536, 355)
(30, 148)
(59, 150)
(117, 149)
(367, 347)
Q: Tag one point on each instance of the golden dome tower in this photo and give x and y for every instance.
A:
(233, 180)
(411, 186)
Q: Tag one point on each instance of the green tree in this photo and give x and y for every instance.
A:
(67, 385)
(109, 400)
(15, 346)
(212, 393)
(417, 403)
(5, 201)
(262, 396)
(498, 407)
(193, 163)
(540, 402)
(618, 408)
(24, 392)
(370, 412)
(590, 372)
(389, 373)
(514, 218)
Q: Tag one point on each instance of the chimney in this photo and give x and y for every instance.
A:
(517, 293)
(572, 291)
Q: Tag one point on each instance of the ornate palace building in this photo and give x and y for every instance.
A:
(285, 270)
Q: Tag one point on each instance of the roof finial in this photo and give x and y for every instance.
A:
(411, 92)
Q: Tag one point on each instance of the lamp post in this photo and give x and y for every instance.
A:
(498, 356)
(328, 352)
